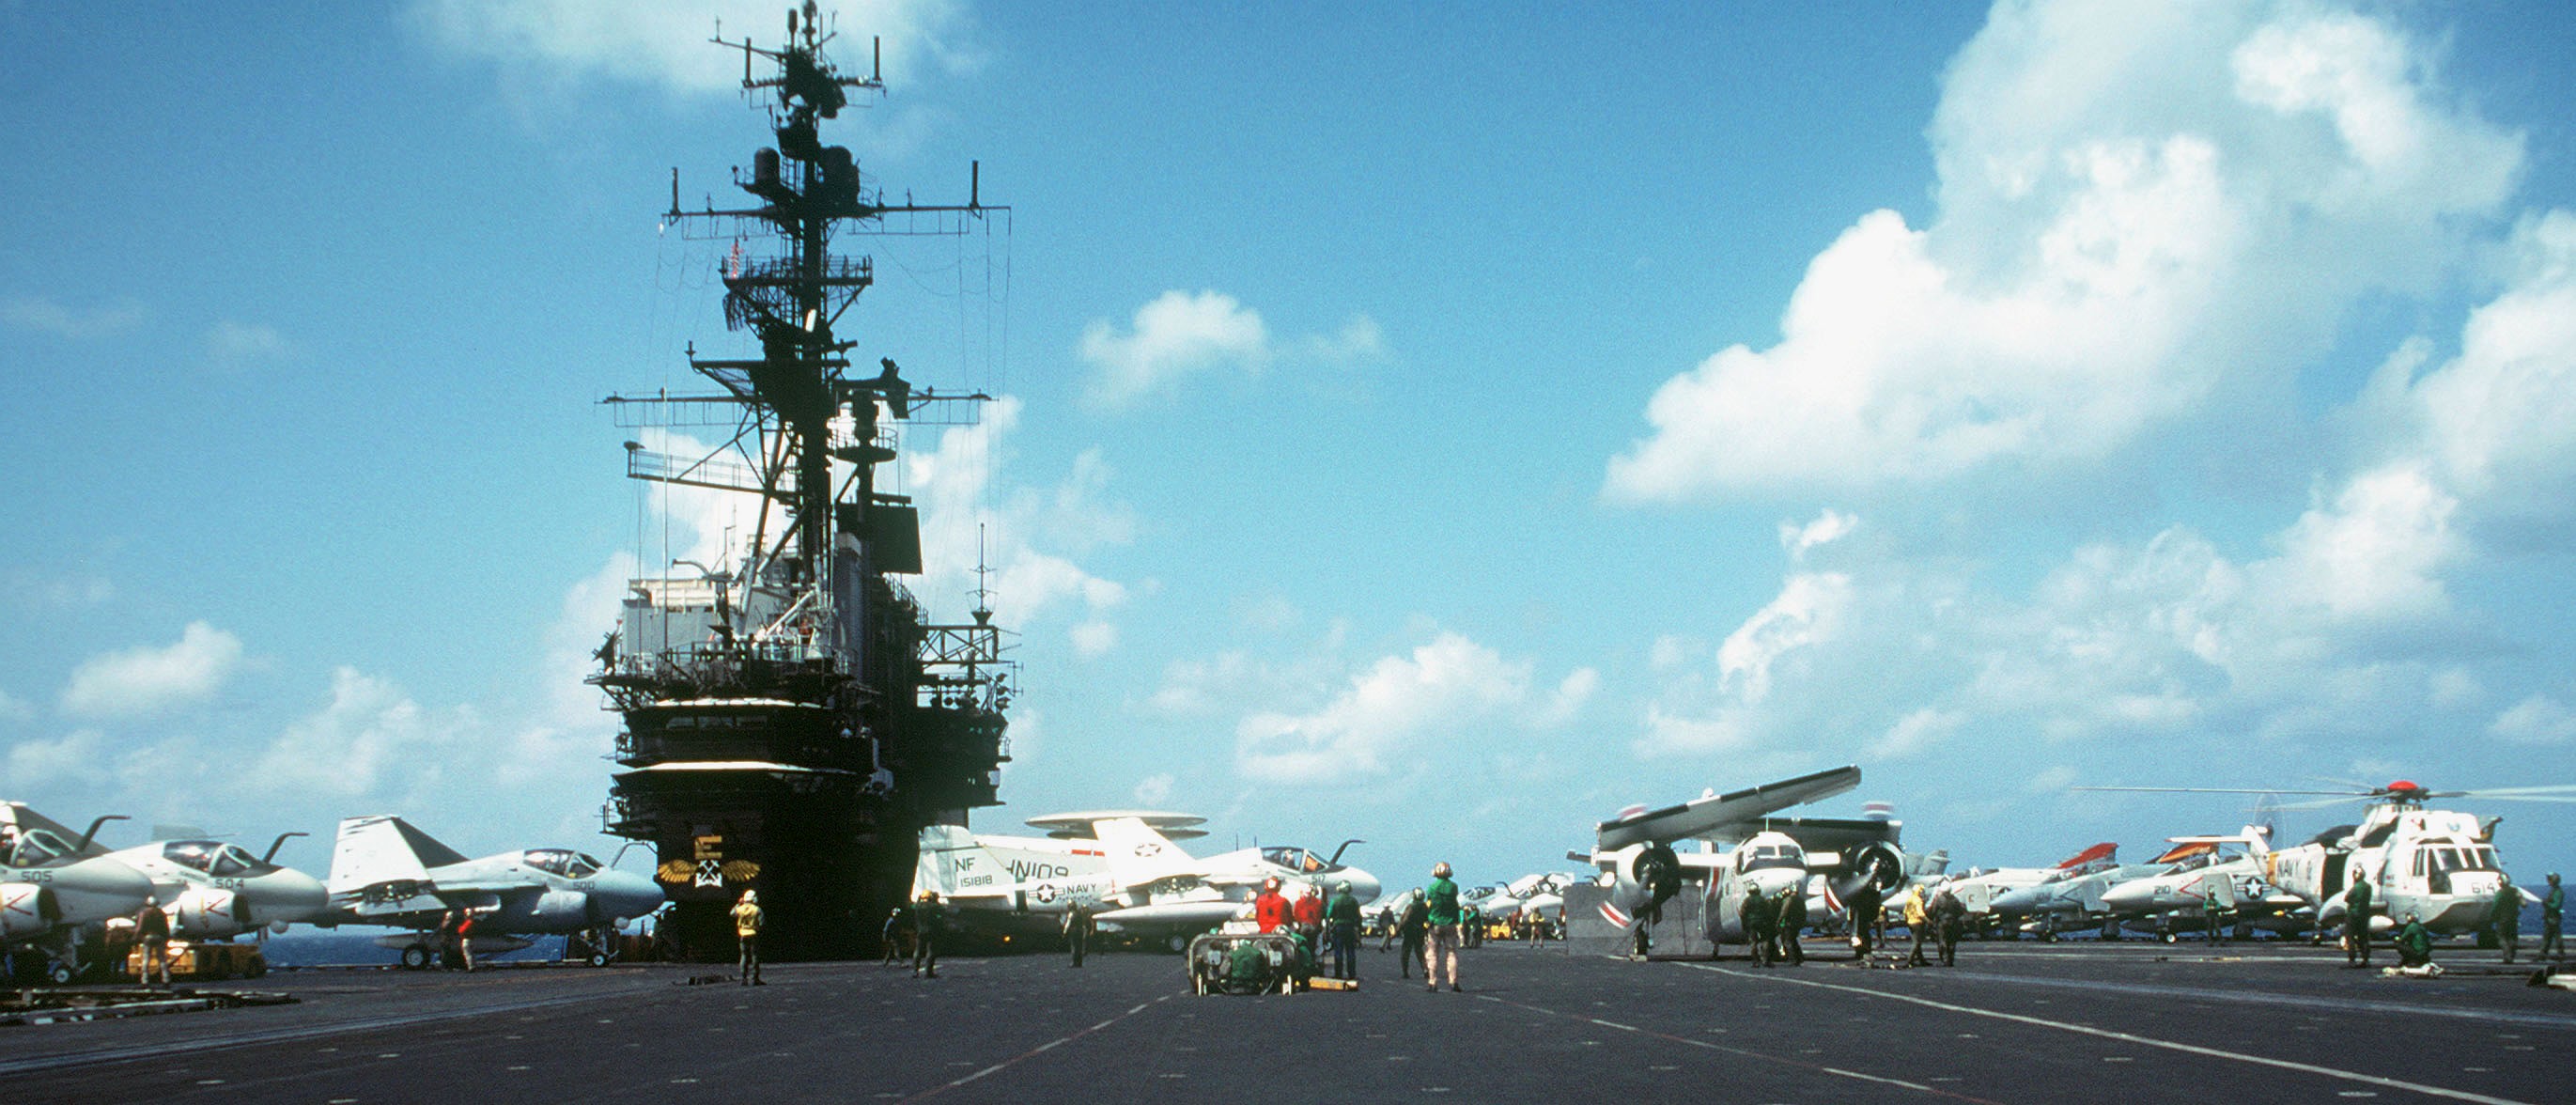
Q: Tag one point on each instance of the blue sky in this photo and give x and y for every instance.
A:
(1433, 425)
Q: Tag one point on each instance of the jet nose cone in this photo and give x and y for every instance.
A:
(2128, 897)
(1364, 886)
(97, 889)
(623, 896)
(288, 896)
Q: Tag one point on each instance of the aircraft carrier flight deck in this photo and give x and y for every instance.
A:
(2013, 1022)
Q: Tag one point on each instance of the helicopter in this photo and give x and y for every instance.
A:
(2439, 866)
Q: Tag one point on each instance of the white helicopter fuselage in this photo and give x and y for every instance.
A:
(2435, 865)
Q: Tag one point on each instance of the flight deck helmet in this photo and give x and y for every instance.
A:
(1440, 870)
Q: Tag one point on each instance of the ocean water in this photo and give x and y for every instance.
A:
(311, 947)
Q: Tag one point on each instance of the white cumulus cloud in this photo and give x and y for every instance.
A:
(147, 682)
(1392, 712)
(2538, 719)
(46, 316)
(1180, 335)
(2141, 208)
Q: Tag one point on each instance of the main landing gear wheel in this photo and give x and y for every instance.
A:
(60, 974)
(416, 957)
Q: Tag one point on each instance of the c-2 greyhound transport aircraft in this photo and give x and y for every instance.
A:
(1634, 851)
(385, 872)
(1121, 863)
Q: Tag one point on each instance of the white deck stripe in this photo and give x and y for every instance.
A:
(2133, 1038)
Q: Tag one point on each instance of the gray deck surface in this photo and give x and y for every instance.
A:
(2012, 1023)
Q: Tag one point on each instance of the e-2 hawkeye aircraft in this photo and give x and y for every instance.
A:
(385, 872)
(53, 884)
(1634, 851)
(1122, 864)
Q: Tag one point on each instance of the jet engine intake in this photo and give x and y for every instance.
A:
(563, 911)
(27, 910)
(208, 911)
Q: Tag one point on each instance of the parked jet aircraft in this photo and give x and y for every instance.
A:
(385, 872)
(212, 889)
(2070, 899)
(2439, 865)
(51, 885)
(1121, 863)
(1978, 890)
(1635, 854)
(2176, 901)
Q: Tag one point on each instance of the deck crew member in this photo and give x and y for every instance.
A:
(892, 937)
(1270, 908)
(1755, 915)
(1441, 912)
(1342, 920)
(929, 919)
(1917, 918)
(2356, 924)
(2505, 916)
(2553, 912)
(1949, 916)
(747, 920)
(1413, 926)
(1078, 927)
(152, 934)
(1793, 920)
(2414, 944)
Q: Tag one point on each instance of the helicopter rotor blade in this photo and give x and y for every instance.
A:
(2227, 790)
(2499, 792)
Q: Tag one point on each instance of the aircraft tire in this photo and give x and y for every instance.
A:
(2168, 937)
(599, 959)
(1177, 944)
(416, 957)
(60, 974)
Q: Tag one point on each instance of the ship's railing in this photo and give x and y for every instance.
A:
(682, 661)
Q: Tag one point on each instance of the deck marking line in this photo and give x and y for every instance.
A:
(2148, 1041)
(1030, 1053)
(285, 1035)
(1781, 1059)
(2257, 997)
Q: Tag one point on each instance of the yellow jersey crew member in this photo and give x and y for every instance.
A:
(747, 920)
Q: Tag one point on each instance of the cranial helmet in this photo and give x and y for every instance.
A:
(1440, 870)
(751, 895)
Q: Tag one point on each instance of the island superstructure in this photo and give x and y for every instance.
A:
(792, 719)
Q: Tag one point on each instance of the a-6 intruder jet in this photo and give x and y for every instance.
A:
(52, 884)
(385, 872)
(213, 890)
(1771, 854)
(1122, 864)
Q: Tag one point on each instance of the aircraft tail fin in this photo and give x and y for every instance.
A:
(373, 851)
(956, 865)
(2099, 853)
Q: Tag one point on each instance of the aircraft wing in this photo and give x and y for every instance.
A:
(1730, 816)
(1830, 834)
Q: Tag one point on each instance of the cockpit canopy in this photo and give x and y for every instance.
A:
(562, 861)
(1769, 854)
(1299, 860)
(39, 848)
(214, 857)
